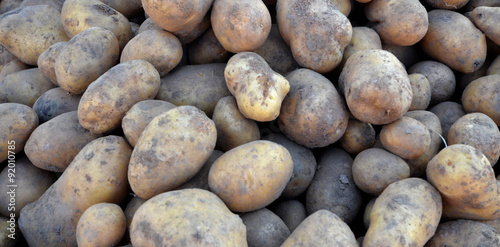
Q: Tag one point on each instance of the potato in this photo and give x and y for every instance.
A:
(482, 95)
(264, 228)
(149, 24)
(128, 8)
(448, 112)
(233, 129)
(398, 22)
(472, 4)
(55, 102)
(240, 25)
(313, 113)
(421, 90)
(317, 38)
(5, 56)
(454, 40)
(464, 233)
(47, 59)
(366, 214)
(200, 180)
(292, 212)
(30, 183)
(259, 91)
(54, 144)
(358, 136)
(129, 212)
(440, 77)
(29, 31)
(197, 85)
(494, 68)
(57, 4)
(493, 223)
(486, 19)
(171, 150)
(407, 213)
(79, 15)
(8, 5)
(447, 4)
(194, 217)
(9, 229)
(17, 121)
(251, 176)
(162, 49)
(138, 117)
(466, 181)
(406, 137)
(102, 224)
(323, 228)
(304, 165)
(333, 187)
(25, 86)
(363, 38)
(207, 49)
(408, 55)
(374, 169)
(11, 67)
(97, 174)
(376, 86)
(108, 98)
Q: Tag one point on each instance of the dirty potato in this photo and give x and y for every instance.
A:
(25, 86)
(102, 224)
(440, 77)
(47, 59)
(17, 122)
(482, 95)
(406, 137)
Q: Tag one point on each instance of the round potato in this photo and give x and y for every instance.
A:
(25, 86)
(422, 91)
(358, 136)
(482, 95)
(55, 102)
(292, 212)
(47, 59)
(406, 137)
(17, 122)
(440, 77)
(264, 228)
(102, 224)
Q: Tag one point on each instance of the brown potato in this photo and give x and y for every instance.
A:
(47, 59)
(95, 49)
(264, 228)
(149, 24)
(363, 38)
(17, 121)
(102, 224)
(448, 112)
(358, 136)
(486, 19)
(454, 40)
(292, 212)
(200, 180)
(55, 102)
(29, 31)
(421, 90)
(406, 137)
(440, 77)
(25, 86)
(108, 98)
(129, 8)
(317, 38)
(251, 176)
(313, 113)
(207, 49)
(482, 95)
(171, 150)
(464, 233)
(11, 67)
(161, 48)
(448, 4)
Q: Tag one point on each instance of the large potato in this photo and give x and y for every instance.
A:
(171, 150)
(406, 137)
(108, 98)
(29, 31)
(251, 176)
(193, 217)
(102, 224)
(482, 95)
(47, 59)
(17, 122)
(55, 102)
(25, 86)
(440, 77)
(264, 228)
(464, 233)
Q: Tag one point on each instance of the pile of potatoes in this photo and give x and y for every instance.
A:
(250, 122)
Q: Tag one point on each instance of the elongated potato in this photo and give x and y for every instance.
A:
(47, 59)
(486, 19)
(55, 102)
(481, 95)
(25, 86)
(108, 98)
(17, 122)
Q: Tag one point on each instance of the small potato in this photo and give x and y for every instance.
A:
(47, 59)
(102, 224)
(25, 86)
(53, 145)
(477, 130)
(486, 19)
(17, 121)
(162, 49)
(233, 129)
(11, 67)
(464, 233)
(108, 98)
(363, 38)
(447, 4)
(197, 85)
(317, 38)
(292, 212)
(77, 15)
(407, 213)
(406, 137)
(264, 228)
(128, 8)
(240, 25)
(440, 77)
(95, 49)
(29, 31)
(448, 112)
(171, 150)
(251, 176)
(323, 228)
(421, 90)
(207, 49)
(402, 22)
(482, 95)
(193, 217)
(454, 40)
(200, 180)
(259, 91)
(55, 102)
(376, 86)
(333, 187)
(313, 113)
(138, 117)
(358, 136)
(374, 169)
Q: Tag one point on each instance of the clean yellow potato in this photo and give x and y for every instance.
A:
(102, 224)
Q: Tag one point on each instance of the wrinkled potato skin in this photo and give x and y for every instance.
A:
(95, 49)
(406, 137)
(407, 213)
(207, 49)
(171, 150)
(292, 212)
(28, 39)
(481, 95)
(108, 98)
(313, 113)
(17, 122)
(47, 59)
(25, 86)
(55, 102)
(441, 79)
(464, 233)
(454, 40)
(251, 176)
(317, 39)
(358, 136)
(97, 174)
(102, 224)
(11, 67)
(264, 228)
(486, 19)
(421, 90)
(195, 217)
(259, 91)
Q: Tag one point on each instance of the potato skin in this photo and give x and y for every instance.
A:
(17, 122)
(264, 228)
(55, 102)
(481, 95)
(200, 180)
(194, 217)
(292, 212)
(47, 59)
(464, 233)
(441, 79)
(251, 176)
(171, 150)
(448, 112)
(25, 86)
(448, 4)
(421, 90)
(486, 19)
(358, 136)
(406, 137)
(207, 49)
(5, 56)
(108, 98)
(363, 38)
(11, 67)
(102, 224)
